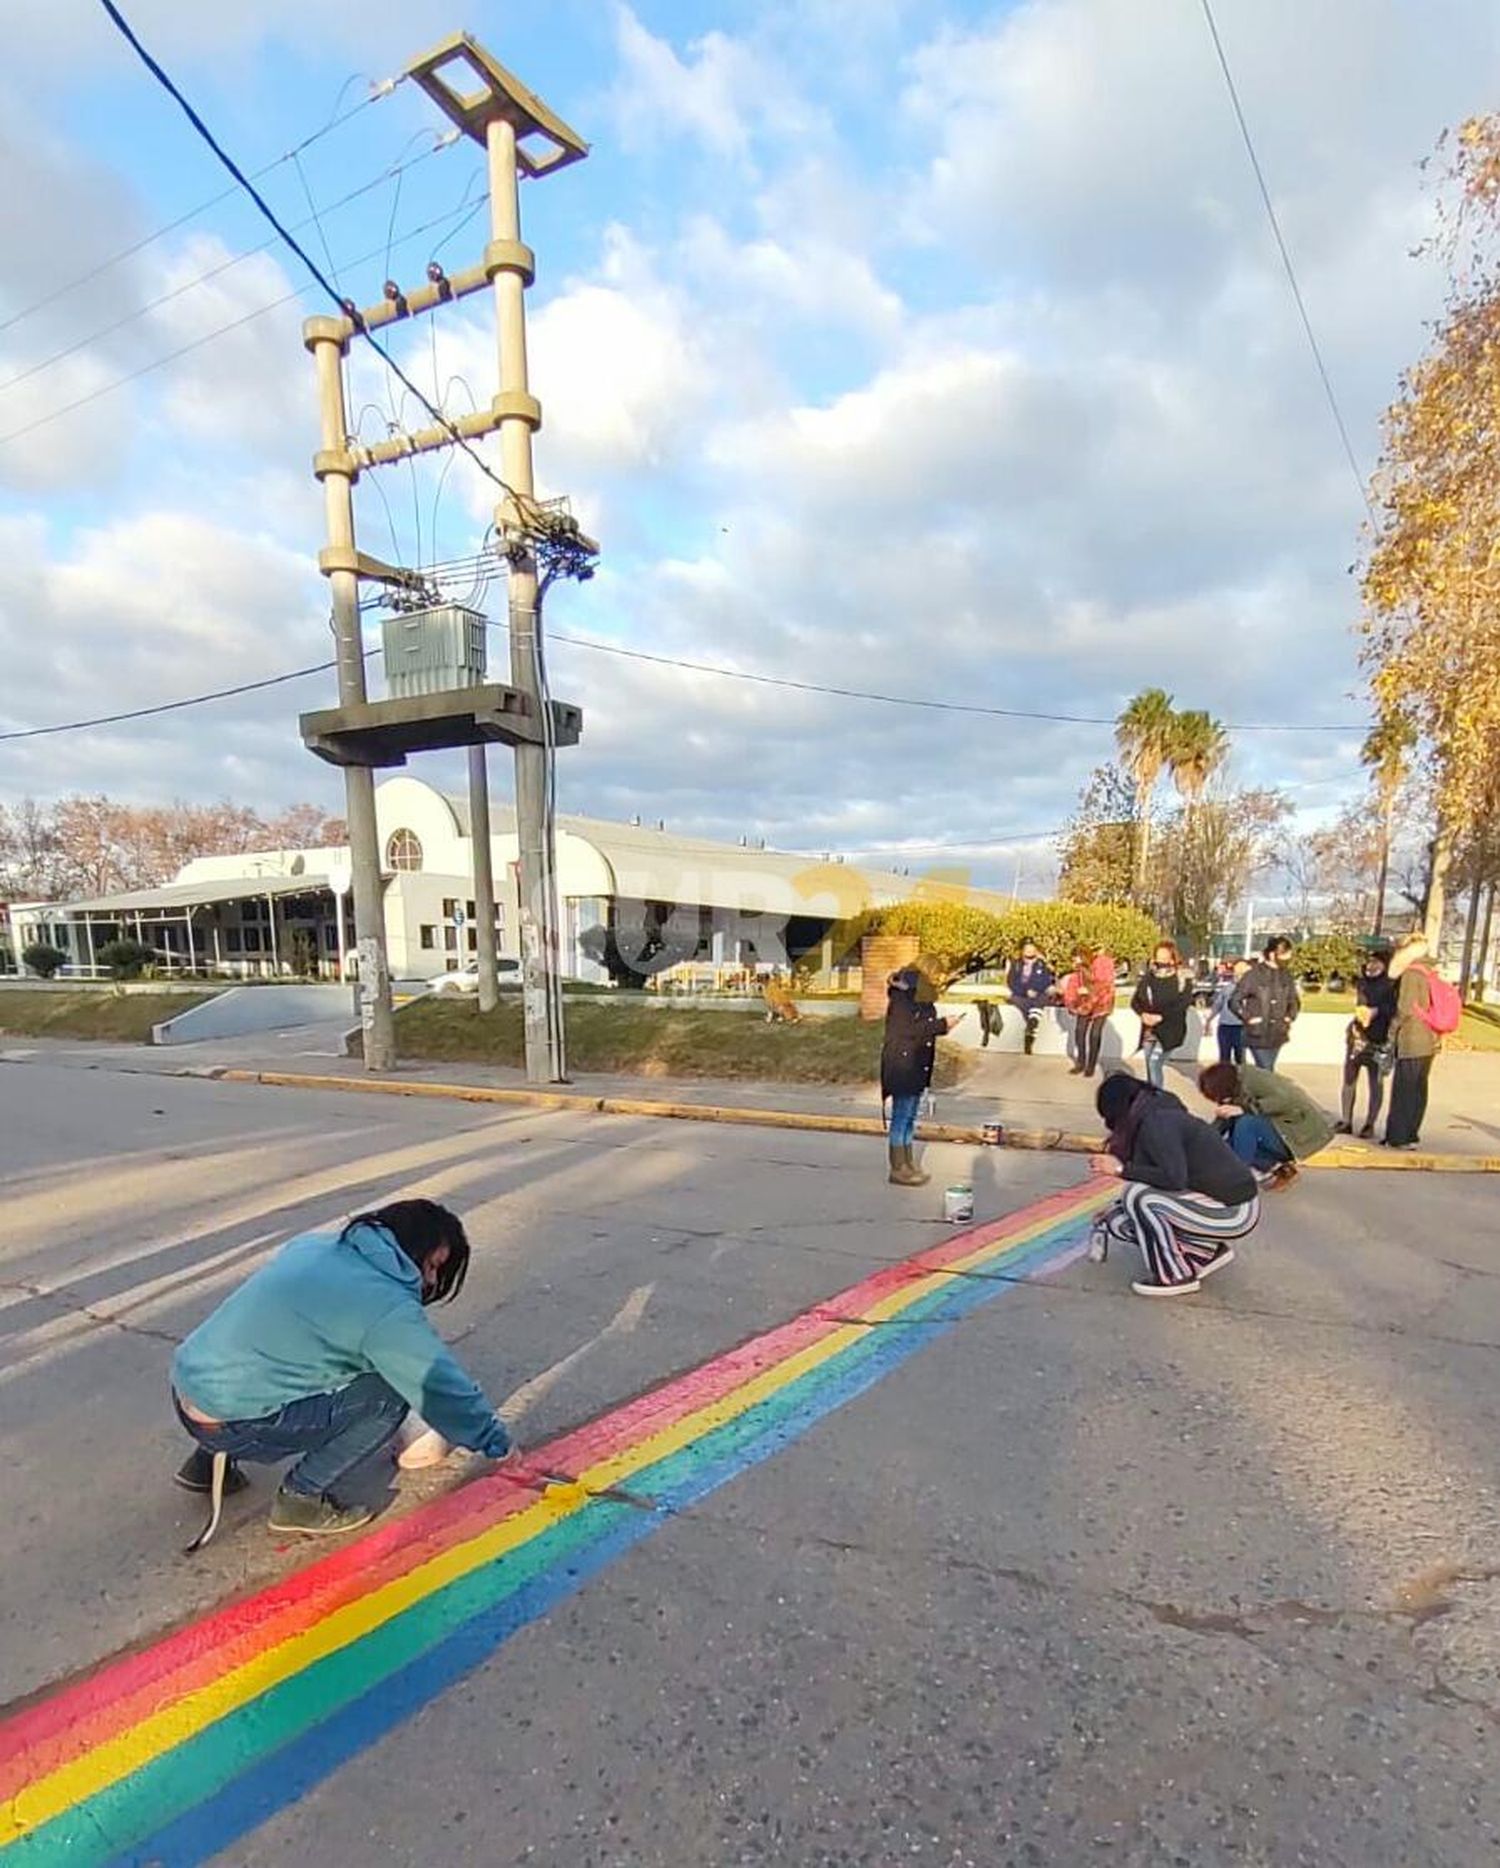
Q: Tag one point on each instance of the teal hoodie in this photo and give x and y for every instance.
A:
(329, 1307)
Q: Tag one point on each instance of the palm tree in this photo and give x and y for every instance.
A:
(1197, 749)
(1387, 754)
(1143, 733)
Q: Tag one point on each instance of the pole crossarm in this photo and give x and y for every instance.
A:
(402, 446)
(441, 289)
(373, 570)
(449, 71)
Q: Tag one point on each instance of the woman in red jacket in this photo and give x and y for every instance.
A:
(1088, 992)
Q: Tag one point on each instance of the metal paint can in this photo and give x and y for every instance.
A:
(958, 1203)
(992, 1134)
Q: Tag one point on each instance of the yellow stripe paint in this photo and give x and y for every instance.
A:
(49, 1797)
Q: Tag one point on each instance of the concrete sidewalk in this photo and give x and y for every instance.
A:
(1023, 1093)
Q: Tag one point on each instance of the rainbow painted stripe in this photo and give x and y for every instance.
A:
(169, 1754)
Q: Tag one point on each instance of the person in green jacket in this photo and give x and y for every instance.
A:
(1270, 1122)
(318, 1358)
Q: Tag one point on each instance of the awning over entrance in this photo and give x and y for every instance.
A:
(175, 897)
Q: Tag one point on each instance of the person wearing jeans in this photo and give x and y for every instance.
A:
(907, 1056)
(1162, 997)
(1226, 1023)
(1270, 1122)
(319, 1356)
(1267, 1002)
(1257, 1141)
(329, 1435)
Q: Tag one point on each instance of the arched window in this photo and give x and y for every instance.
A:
(403, 851)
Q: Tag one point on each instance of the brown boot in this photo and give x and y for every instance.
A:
(902, 1175)
(919, 1176)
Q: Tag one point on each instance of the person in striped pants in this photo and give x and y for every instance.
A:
(1186, 1196)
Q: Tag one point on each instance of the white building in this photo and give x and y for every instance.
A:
(657, 896)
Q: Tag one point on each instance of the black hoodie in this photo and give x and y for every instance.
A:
(1166, 1147)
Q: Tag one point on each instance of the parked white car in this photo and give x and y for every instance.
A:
(466, 979)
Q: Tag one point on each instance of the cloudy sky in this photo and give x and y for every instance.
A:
(941, 350)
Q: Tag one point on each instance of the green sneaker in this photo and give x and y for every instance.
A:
(315, 1517)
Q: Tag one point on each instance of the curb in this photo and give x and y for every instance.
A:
(1057, 1141)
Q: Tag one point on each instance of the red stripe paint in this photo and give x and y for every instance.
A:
(89, 1712)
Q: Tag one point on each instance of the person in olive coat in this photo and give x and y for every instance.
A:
(1270, 1122)
(912, 1029)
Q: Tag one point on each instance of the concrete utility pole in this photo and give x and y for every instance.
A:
(520, 136)
(327, 339)
(546, 1060)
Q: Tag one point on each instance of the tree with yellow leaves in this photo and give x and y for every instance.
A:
(1432, 575)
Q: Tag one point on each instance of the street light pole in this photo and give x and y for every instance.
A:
(487, 952)
(326, 338)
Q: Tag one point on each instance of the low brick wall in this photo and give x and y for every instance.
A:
(879, 956)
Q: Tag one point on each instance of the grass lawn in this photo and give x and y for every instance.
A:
(642, 1041)
(1480, 1030)
(126, 1018)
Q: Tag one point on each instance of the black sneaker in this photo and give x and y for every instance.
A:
(1343, 1128)
(196, 1474)
(1367, 1133)
(315, 1517)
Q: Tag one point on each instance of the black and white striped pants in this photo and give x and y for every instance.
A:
(1176, 1233)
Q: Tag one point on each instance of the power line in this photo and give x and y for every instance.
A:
(910, 700)
(197, 343)
(465, 565)
(216, 272)
(1286, 260)
(124, 27)
(336, 121)
(176, 706)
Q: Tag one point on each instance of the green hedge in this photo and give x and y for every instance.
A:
(957, 939)
(1322, 954)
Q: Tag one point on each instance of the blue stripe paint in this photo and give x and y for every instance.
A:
(283, 1777)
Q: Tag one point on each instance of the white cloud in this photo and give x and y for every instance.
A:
(981, 381)
(720, 95)
(620, 376)
(150, 609)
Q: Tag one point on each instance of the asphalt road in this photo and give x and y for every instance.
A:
(1081, 1578)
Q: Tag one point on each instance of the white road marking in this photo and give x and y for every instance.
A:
(621, 1323)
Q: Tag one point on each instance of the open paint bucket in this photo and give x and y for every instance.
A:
(958, 1203)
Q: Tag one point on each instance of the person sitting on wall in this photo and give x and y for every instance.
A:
(1030, 983)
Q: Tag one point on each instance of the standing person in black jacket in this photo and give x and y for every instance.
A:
(1029, 982)
(1367, 1042)
(1162, 997)
(1267, 1002)
(1186, 1194)
(912, 1030)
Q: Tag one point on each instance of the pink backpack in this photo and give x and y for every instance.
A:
(1444, 1009)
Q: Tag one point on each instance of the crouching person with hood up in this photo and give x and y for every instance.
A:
(318, 1357)
(1186, 1195)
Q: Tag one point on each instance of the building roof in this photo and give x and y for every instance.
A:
(652, 865)
(185, 895)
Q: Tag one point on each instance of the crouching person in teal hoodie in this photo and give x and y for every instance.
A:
(319, 1356)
